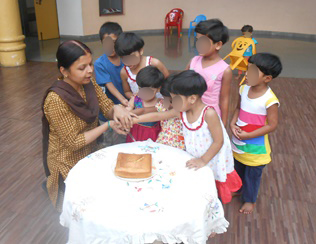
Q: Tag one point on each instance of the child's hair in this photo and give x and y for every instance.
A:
(150, 76)
(213, 29)
(110, 28)
(187, 83)
(268, 64)
(164, 90)
(247, 28)
(128, 43)
(69, 52)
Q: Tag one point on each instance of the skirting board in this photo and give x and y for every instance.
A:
(257, 33)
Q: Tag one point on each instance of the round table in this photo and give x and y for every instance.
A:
(175, 205)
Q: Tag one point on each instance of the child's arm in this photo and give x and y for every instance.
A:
(225, 94)
(188, 65)
(140, 111)
(155, 62)
(234, 128)
(254, 50)
(116, 93)
(272, 118)
(214, 125)
(157, 116)
(127, 90)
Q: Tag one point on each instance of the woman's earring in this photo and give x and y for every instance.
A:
(66, 76)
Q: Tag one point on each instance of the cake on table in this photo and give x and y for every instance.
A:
(133, 165)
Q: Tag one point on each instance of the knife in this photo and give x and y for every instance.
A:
(131, 136)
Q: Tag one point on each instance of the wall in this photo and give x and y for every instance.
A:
(70, 17)
(292, 16)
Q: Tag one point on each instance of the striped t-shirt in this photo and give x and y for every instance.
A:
(252, 116)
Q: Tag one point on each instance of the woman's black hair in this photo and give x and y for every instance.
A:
(187, 83)
(69, 51)
(247, 28)
(110, 28)
(128, 43)
(267, 63)
(213, 29)
(150, 76)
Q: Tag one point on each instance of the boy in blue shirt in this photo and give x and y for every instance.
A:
(107, 70)
(247, 32)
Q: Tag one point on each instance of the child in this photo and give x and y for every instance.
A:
(204, 134)
(149, 80)
(129, 47)
(211, 36)
(247, 32)
(107, 72)
(255, 117)
(171, 129)
(109, 65)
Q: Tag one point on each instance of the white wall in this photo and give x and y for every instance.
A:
(70, 17)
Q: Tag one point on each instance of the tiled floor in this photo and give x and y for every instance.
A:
(298, 57)
(286, 208)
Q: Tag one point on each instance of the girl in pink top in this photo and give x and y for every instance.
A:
(211, 36)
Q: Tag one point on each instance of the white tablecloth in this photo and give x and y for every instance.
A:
(176, 205)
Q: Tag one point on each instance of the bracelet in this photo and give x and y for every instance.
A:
(109, 126)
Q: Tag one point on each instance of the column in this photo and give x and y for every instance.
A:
(12, 47)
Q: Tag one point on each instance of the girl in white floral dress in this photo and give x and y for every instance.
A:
(204, 134)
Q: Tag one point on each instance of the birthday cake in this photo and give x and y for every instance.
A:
(133, 165)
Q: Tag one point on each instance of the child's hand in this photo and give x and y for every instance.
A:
(124, 102)
(118, 128)
(235, 129)
(129, 109)
(242, 135)
(130, 104)
(195, 163)
(135, 120)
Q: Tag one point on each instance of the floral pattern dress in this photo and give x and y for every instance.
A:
(171, 130)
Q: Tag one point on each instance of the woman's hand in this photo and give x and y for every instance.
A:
(195, 163)
(123, 117)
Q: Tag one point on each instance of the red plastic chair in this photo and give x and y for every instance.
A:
(174, 18)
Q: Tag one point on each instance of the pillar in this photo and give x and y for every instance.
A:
(12, 47)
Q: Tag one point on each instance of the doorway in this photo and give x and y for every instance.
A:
(39, 19)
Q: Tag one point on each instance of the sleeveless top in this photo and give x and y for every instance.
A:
(213, 76)
(131, 79)
(198, 139)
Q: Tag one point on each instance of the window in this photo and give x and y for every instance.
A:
(111, 7)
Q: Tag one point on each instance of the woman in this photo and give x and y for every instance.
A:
(70, 117)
